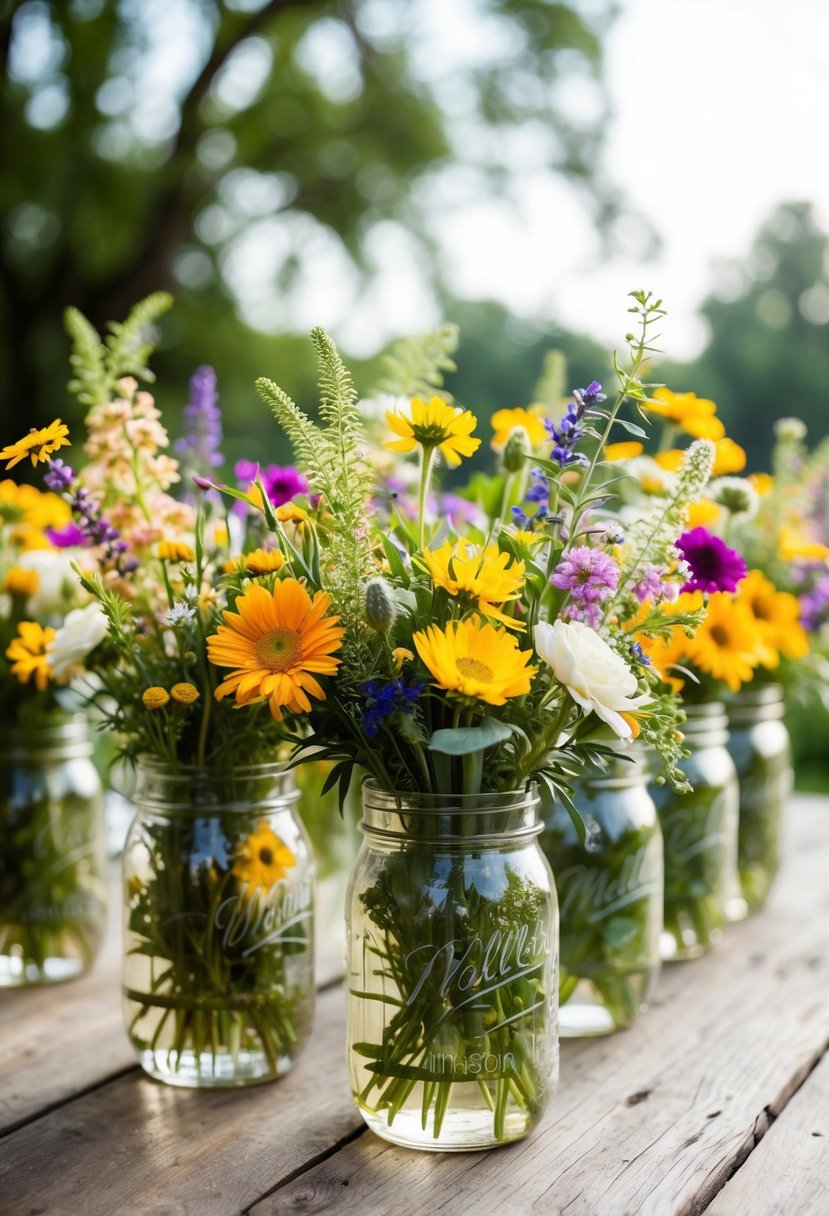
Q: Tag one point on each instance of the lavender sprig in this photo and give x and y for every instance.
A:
(199, 446)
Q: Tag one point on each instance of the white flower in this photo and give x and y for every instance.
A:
(81, 632)
(596, 677)
(57, 582)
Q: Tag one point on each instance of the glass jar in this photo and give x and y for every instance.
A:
(52, 853)
(452, 943)
(760, 748)
(219, 956)
(609, 897)
(699, 831)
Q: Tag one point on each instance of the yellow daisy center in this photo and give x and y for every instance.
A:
(266, 856)
(279, 650)
(475, 669)
(720, 635)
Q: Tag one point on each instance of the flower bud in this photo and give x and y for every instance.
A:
(735, 494)
(380, 605)
(790, 430)
(516, 450)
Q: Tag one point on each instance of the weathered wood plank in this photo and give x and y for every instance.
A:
(652, 1122)
(58, 1041)
(788, 1172)
(136, 1146)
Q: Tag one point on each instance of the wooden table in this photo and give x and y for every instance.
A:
(716, 1101)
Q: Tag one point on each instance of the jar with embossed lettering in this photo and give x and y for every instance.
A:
(609, 879)
(452, 969)
(760, 748)
(699, 830)
(218, 977)
(52, 852)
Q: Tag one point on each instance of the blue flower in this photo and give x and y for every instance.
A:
(385, 699)
(639, 655)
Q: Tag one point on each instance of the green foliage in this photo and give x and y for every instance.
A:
(415, 366)
(97, 365)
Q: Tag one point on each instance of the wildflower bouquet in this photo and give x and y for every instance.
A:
(468, 664)
(51, 831)
(218, 979)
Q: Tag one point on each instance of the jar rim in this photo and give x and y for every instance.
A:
(177, 770)
(449, 804)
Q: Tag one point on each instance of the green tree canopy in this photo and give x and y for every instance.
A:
(164, 143)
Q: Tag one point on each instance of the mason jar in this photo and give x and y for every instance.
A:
(610, 889)
(52, 853)
(761, 750)
(699, 831)
(218, 977)
(452, 932)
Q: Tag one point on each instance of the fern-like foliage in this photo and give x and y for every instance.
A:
(332, 456)
(98, 364)
(415, 366)
(552, 383)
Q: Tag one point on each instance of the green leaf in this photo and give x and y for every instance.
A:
(463, 740)
(632, 428)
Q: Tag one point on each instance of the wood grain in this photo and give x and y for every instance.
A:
(652, 1122)
(137, 1146)
(788, 1172)
(61, 1040)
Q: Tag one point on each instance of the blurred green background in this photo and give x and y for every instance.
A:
(275, 163)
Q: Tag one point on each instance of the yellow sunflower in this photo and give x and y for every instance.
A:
(727, 643)
(476, 660)
(777, 617)
(28, 654)
(504, 422)
(38, 445)
(483, 579)
(692, 414)
(278, 641)
(434, 425)
(263, 859)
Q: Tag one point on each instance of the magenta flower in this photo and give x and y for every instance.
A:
(70, 536)
(713, 565)
(590, 576)
(281, 485)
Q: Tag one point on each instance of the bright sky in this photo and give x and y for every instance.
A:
(720, 109)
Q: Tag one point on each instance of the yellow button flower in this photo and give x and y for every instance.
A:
(184, 693)
(155, 697)
(435, 424)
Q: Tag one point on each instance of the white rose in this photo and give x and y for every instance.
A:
(596, 677)
(57, 582)
(81, 632)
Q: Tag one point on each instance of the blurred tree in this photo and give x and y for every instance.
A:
(207, 146)
(768, 354)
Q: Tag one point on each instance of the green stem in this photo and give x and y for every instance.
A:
(427, 456)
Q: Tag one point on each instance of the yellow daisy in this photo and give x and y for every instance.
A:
(729, 457)
(263, 561)
(793, 543)
(763, 483)
(23, 583)
(702, 513)
(263, 859)
(476, 660)
(504, 422)
(478, 578)
(670, 460)
(727, 643)
(38, 445)
(692, 414)
(627, 449)
(434, 425)
(777, 617)
(28, 654)
(175, 551)
(667, 654)
(278, 642)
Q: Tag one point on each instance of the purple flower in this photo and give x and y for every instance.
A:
(814, 605)
(590, 576)
(591, 395)
(202, 438)
(653, 586)
(566, 434)
(71, 536)
(281, 484)
(59, 476)
(713, 565)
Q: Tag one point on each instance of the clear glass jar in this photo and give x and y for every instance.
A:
(52, 853)
(761, 750)
(699, 831)
(452, 943)
(610, 892)
(219, 943)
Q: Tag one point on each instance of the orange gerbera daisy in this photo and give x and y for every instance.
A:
(278, 641)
